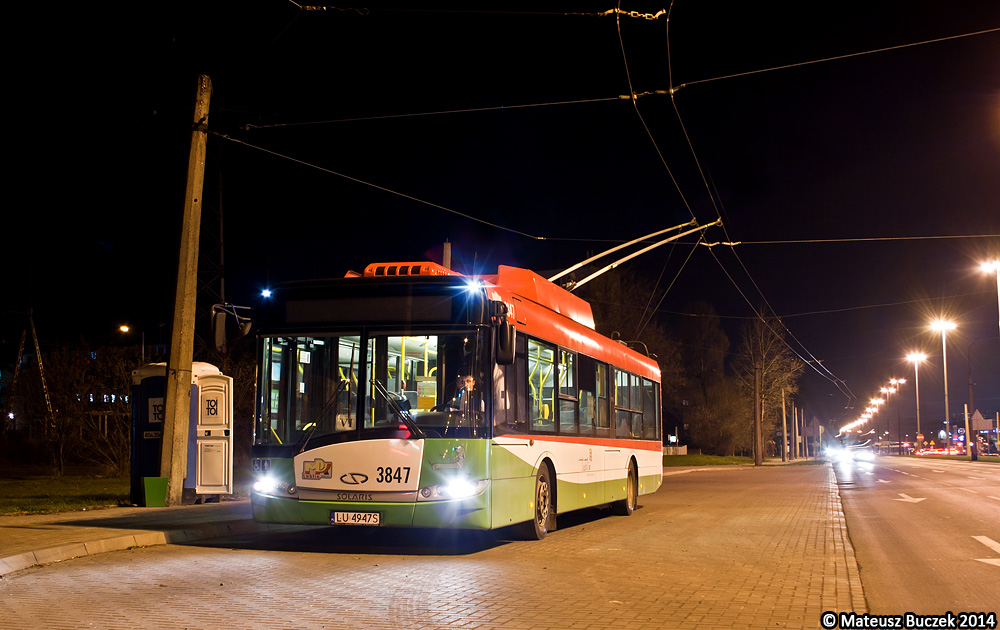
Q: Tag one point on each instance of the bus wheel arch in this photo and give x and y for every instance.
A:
(626, 506)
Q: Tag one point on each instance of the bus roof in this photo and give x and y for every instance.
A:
(526, 292)
(523, 283)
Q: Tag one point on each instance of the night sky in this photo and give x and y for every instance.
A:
(863, 191)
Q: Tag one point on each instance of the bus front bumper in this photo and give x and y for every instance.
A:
(468, 513)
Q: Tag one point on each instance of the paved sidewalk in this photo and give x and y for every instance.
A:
(801, 530)
(716, 547)
(43, 538)
(781, 549)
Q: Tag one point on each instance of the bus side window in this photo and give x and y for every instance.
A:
(509, 398)
(650, 410)
(542, 386)
(623, 417)
(603, 389)
(588, 394)
(567, 392)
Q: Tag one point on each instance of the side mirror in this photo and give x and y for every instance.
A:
(505, 334)
(219, 331)
(220, 312)
(505, 344)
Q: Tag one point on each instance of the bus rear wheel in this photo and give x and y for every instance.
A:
(538, 526)
(626, 506)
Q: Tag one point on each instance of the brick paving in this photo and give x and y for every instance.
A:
(716, 547)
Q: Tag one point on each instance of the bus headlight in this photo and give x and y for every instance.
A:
(458, 488)
(273, 487)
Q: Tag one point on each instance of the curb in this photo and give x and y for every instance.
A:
(28, 559)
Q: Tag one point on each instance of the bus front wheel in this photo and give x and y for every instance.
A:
(538, 526)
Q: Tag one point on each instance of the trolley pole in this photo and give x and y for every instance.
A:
(177, 406)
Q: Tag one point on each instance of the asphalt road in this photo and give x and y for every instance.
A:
(926, 533)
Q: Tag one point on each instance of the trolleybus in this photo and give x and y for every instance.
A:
(410, 395)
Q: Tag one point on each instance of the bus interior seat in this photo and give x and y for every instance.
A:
(411, 397)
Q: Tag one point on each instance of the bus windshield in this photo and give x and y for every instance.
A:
(311, 387)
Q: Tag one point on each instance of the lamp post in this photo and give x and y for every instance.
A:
(142, 348)
(994, 266)
(885, 392)
(944, 326)
(898, 382)
(917, 358)
(875, 402)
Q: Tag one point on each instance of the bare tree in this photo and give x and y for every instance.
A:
(762, 344)
(107, 432)
(720, 425)
(703, 348)
(59, 432)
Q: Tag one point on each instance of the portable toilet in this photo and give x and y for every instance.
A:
(210, 434)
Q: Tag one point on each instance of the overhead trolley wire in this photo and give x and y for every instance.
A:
(717, 205)
(635, 106)
(835, 58)
(466, 110)
(464, 215)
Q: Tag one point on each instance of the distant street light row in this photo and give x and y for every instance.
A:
(938, 325)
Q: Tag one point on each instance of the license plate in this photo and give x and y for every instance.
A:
(355, 518)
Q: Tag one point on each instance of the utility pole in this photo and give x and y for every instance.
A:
(802, 433)
(795, 433)
(784, 428)
(173, 458)
(758, 445)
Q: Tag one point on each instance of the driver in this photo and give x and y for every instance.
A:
(469, 400)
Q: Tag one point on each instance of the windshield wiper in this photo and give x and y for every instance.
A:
(403, 414)
(330, 404)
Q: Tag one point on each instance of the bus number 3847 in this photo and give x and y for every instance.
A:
(399, 474)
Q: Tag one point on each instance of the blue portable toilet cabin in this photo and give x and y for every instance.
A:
(149, 384)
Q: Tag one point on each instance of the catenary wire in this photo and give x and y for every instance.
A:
(466, 110)
(404, 195)
(635, 106)
(717, 206)
(649, 317)
(836, 58)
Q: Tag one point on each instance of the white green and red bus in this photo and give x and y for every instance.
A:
(410, 395)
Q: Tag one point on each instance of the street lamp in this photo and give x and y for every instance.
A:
(124, 328)
(994, 266)
(875, 402)
(917, 358)
(944, 326)
(898, 383)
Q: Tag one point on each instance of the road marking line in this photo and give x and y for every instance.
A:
(992, 544)
(908, 499)
(884, 481)
(975, 477)
(993, 497)
(967, 490)
(938, 471)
